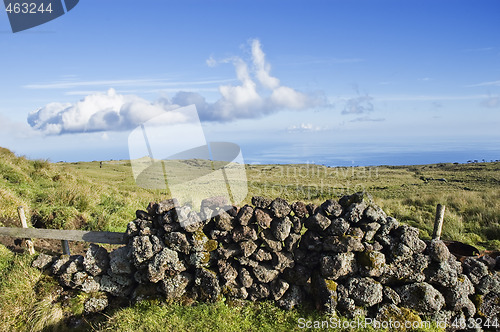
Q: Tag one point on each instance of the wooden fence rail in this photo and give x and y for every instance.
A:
(69, 235)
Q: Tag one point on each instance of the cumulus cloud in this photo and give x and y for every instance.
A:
(257, 94)
(96, 112)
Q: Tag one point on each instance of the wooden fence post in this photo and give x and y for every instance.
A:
(65, 247)
(29, 243)
(438, 222)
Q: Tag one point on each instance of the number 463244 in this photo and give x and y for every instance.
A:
(28, 8)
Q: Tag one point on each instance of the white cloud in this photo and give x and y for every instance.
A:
(96, 112)
(257, 94)
(306, 127)
(491, 83)
(262, 67)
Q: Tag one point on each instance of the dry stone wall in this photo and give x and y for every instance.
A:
(344, 256)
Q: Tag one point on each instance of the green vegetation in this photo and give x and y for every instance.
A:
(85, 196)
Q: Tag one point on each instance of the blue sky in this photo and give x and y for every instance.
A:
(329, 82)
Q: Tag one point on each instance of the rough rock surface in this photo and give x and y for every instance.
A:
(346, 256)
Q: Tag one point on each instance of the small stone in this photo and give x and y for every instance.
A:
(489, 283)
(296, 225)
(438, 251)
(261, 202)
(178, 241)
(299, 209)
(262, 254)
(375, 214)
(142, 249)
(355, 212)
(441, 274)
(372, 263)
(116, 285)
(197, 242)
(245, 215)
(246, 261)
(487, 305)
(391, 312)
(337, 266)
(281, 228)
(345, 243)
(325, 293)
(174, 287)
(390, 296)
(91, 284)
(408, 236)
(75, 264)
(265, 273)
(421, 297)
(318, 221)
(192, 223)
(208, 285)
(228, 251)
(199, 259)
(474, 269)
(247, 248)
(95, 304)
(143, 215)
(457, 297)
(332, 208)
(292, 242)
(166, 206)
(365, 292)
(43, 261)
(338, 227)
(282, 260)
(383, 234)
(405, 271)
(244, 233)
(280, 208)
(270, 241)
(292, 298)
(245, 277)
(227, 270)
(258, 292)
(96, 260)
(119, 261)
(164, 263)
(278, 289)
(263, 217)
(370, 230)
(79, 278)
(224, 221)
(132, 229)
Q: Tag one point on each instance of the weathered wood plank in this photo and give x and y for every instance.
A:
(24, 223)
(438, 222)
(70, 235)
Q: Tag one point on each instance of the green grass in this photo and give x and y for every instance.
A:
(85, 196)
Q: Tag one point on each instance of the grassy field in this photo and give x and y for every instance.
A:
(85, 196)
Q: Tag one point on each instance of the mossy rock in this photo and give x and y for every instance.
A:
(211, 245)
